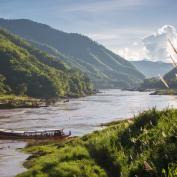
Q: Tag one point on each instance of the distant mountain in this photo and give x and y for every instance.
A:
(155, 83)
(171, 78)
(152, 69)
(25, 70)
(105, 69)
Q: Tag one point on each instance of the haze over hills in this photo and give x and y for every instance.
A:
(105, 69)
(25, 70)
(152, 69)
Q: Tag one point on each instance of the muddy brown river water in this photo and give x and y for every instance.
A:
(81, 116)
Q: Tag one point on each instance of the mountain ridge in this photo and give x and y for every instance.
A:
(25, 70)
(151, 68)
(104, 68)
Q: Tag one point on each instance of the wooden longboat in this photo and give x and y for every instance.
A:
(39, 134)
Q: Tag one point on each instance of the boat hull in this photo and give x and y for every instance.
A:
(39, 135)
(11, 137)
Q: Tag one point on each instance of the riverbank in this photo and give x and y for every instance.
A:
(140, 90)
(144, 146)
(155, 91)
(12, 102)
(165, 92)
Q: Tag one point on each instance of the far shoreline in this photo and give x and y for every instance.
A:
(14, 101)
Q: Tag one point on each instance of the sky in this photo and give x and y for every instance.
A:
(134, 29)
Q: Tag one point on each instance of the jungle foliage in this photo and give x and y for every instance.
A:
(25, 70)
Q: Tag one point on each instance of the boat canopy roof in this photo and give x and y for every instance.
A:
(34, 131)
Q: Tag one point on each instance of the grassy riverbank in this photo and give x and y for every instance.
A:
(145, 146)
(12, 101)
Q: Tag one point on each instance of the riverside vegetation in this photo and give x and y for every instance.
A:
(28, 71)
(13, 101)
(145, 146)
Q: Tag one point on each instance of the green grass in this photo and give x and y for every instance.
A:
(146, 146)
(14, 97)
(13, 101)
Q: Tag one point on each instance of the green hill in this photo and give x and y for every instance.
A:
(25, 70)
(145, 146)
(103, 67)
(171, 78)
(155, 83)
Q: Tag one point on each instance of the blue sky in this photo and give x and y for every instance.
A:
(118, 24)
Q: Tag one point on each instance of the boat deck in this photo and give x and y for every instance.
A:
(38, 134)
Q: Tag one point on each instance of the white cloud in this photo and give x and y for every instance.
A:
(135, 52)
(130, 43)
(157, 44)
(154, 47)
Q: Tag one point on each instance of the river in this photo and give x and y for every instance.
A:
(81, 116)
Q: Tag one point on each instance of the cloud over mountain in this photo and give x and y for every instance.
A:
(157, 45)
(154, 47)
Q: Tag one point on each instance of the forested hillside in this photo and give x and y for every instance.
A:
(104, 68)
(156, 83)
(171, 78)
(25, 70)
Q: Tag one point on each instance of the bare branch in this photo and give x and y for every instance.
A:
(163, 81)
(174, 62)
(172, 46)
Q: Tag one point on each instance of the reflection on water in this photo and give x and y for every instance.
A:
(81, 116)
(11, 158)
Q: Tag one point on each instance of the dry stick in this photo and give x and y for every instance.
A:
(172, 46)
(174, 62)
(163, 81)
